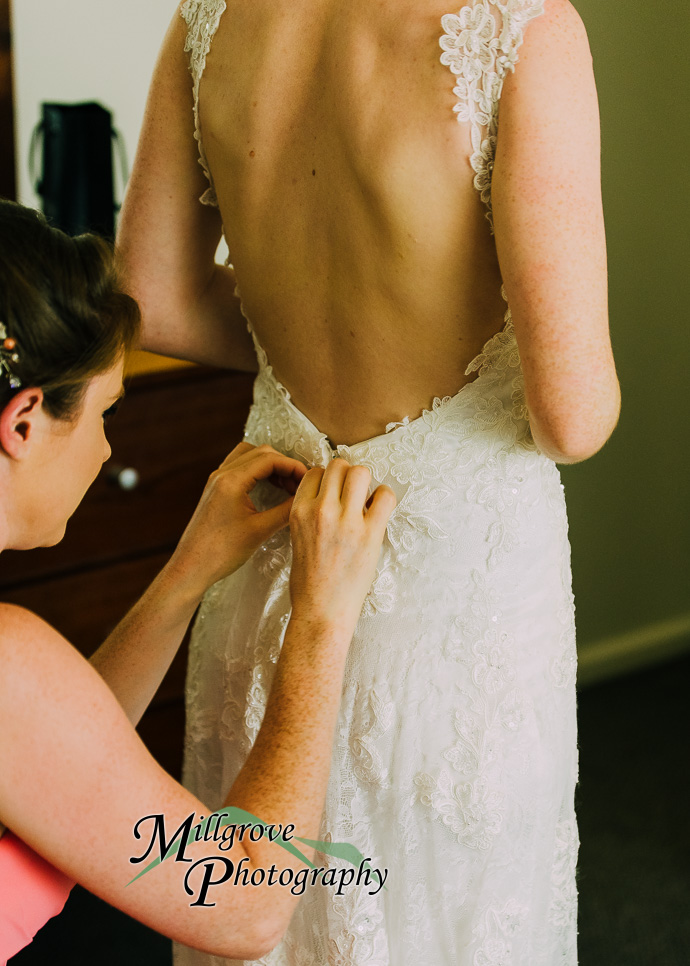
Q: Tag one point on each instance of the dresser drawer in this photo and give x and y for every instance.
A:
(85, 607)
(173, 428)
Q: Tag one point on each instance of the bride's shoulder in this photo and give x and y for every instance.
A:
(554, 25)
(551, 79)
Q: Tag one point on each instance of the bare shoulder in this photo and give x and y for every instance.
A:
(551, 96)
(20, 628)
(555, 40)
(559, 22)
(32, 653)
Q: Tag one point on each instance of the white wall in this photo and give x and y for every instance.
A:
(83, 50)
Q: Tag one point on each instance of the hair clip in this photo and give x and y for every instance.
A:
(8, 354)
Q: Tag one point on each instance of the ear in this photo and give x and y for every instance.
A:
(18, 422)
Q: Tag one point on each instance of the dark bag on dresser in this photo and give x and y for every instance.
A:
(76, 183)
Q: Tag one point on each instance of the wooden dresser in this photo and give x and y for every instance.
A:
(173, 428)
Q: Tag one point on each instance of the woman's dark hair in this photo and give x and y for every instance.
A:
(62, 303)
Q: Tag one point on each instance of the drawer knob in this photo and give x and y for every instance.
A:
(126, 477)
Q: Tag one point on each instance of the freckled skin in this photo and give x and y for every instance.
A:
(390, 241)
(67, 724)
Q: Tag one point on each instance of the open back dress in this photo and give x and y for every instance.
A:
(455, 754)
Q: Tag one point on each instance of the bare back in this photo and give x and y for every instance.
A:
(355, 207)
(361, 245)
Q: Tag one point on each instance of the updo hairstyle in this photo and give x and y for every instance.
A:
(62, 304)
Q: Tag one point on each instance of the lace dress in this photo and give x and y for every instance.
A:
(455, 754)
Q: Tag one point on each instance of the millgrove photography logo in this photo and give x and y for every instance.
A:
(214, 870)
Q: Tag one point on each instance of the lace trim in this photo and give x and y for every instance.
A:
(499, 352)
(475, 51)
(202, 18)
(480, 56)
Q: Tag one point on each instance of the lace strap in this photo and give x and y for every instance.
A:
(480, 46)
(202, 18)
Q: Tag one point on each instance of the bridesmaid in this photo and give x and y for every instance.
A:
(76, 778)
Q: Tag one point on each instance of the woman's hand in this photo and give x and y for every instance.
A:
(336, 539)
(226, 527)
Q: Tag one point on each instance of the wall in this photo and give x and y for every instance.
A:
(84, 50)
(106, 52)
(78, 50)
(628, 505)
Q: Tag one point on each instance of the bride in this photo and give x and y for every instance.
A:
(423, 290)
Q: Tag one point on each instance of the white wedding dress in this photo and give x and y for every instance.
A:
(455, 755)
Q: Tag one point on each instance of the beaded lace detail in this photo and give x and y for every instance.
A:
(455, 756)
(455, 748)
(202, 18)
(480, 45)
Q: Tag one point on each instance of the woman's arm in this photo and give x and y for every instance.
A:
(135, 657)
(76, 779)
(546, 193)
(168, 239)
(223, 532)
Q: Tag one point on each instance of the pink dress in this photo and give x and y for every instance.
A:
(31, 892)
